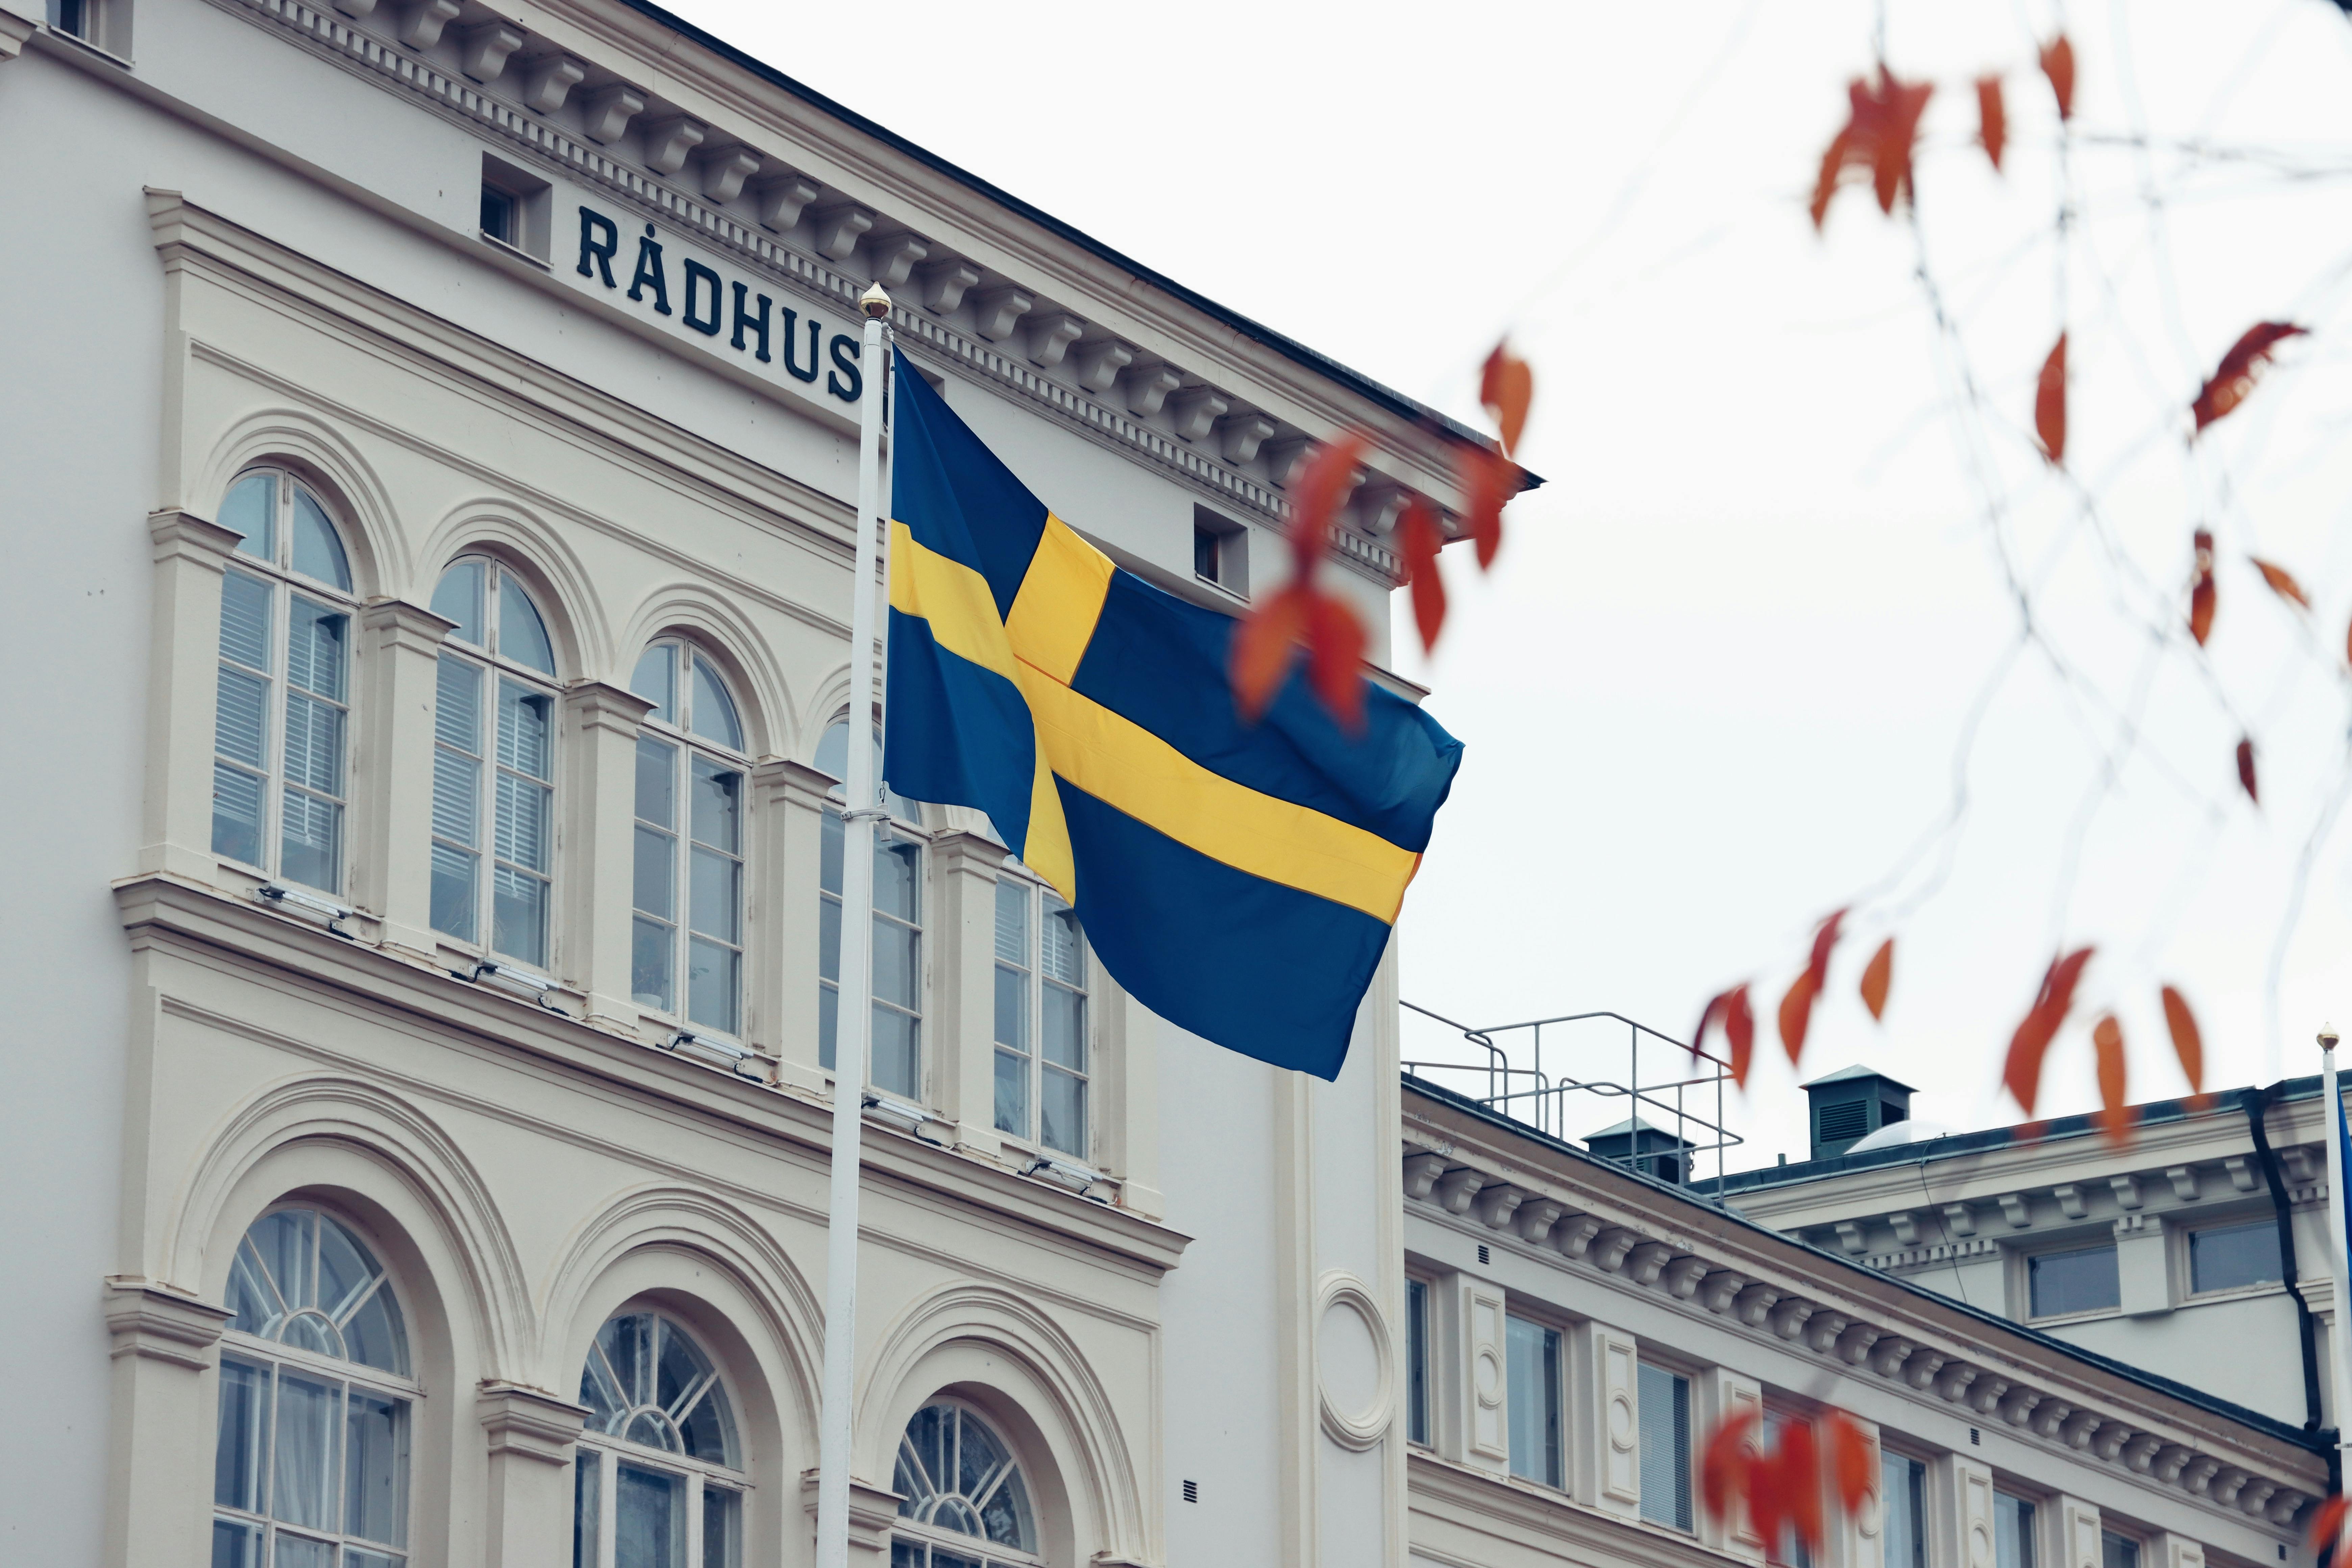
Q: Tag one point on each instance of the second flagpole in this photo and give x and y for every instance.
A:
(854, 1017)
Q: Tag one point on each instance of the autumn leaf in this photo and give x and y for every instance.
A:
(1263, 648)
(1488, 480)
(1322, 488)
(2050, 405)
(1881, 130)
(2021, 1073)
(2114, 1111)
(2058, 65)
(2281, 581)
(1787, 1485)
(2327, 1525)
(2240, 369)
(1876, 977)
(1725, 1465)
(2246, 769)
(2200, 596)
(1267, 639)
(1849, 1459)
(2187, 1044)
(1418, 540)
(1797, 1007)
(1992, 120)
(1739, 1028)
(1506, 385)
(1825, 184)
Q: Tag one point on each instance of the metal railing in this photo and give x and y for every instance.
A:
(1528, 1090)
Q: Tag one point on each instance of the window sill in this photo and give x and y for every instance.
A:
(495, 243)
(84, 44)
(2068, 1319)
(2235, 1293)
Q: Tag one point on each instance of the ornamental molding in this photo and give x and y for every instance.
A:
(156, 1322)
(1355, 1430)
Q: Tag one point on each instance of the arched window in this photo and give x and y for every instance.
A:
(960, 1487)
(659, 1483)
(688, 896)
(894, 1061)
(311, 1457)
(493, 764)
(279, 736)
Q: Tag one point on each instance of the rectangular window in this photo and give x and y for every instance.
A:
(714, 963)
(500, 764)
(518, 878)
(499, 216)
(722, 1528)
(709, 855)
(2012, 1531)
(653, 937)
(896, 1061)
(311, 846)
(2081, 1280)
(2233, 1257)
(587, 1515)
(1040, 1018)
(648, 1519)
(1665, 1447)
(1903, 1487)
(1416, 1362)
(1531, 1353)
(308, 750)
(457, 798)
(1015, 1048)
(1204, 554)
(2117, 1551)
(73, 17)
(298, 1461)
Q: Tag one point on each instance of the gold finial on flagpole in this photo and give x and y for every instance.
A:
(2327, 1036)
(875, 302)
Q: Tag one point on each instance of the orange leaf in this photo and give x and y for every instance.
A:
(1418, 540)
(1877, 978)
(2050, 405)
(1727, 1463)
(2058, 65)
(1792, 1478)
(1825, 936)
(2114, 1111)
(1488, 480)
(1849, 1459)
(1335, 658)
(1992, 120)
(1739, 1028)
(1506, 385)
(1881, 130)
(2021, 1073)
(1832, 165)
(2327, 1524)
(1797, 1013)
(2200, 596)
(2281, 581)
(2187, 1043)
(1322, 488)
(1263, 647)
(2246, 769)
(2238, 370)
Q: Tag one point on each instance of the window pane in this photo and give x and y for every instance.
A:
(828, 1023)
(828, 940)
(1532, 1355)
(318, 642)
(656, 781)
(457, 797)
(649, 1519)
(2230, 1257)
(250, 507)
(587, 1475)
(519, 915)
(1013, 923)
(317, 553)
(245, 619)
(373, 1337)
(244, 1418)
(302, 1473)
(897, 963)
(310, 841)
(355, 1558)
(285, 1242)
(1062, 1112)
(524, 729)
(829, 858)
(453, 891)
(1416, 1362)
(236, 814)
(236, 1545)
(1060, 955)
(1011, 1008)
(2080, 1281)
(375, 1470)
(459, 597)
(711, 983)
(717, 894)
(653, 886)
(458, 705)
(1665, 1447)
(656, 680)
(238, 731)
(301, 1551)
(649, 963)
(714, 711)
(2012, 1531)
(522, 636)
(522, 822)
(897, 869)
(897, 1064)
(314, 744)
(1902, 1488)
(717, 796)
(1065, 1020)
(2117, 1551)
(1012, 1090)
(721, 1520)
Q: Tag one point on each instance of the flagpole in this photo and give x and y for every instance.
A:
(2339, 1357)
(854, 1016)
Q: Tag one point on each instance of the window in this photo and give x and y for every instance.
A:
(1416, 1362)
(311, 1461)
(73, 17)
(1531, 1358)
(1903, 1490)
(962, 1499)
(658, 1483)
(2234, 1257)
(493, 764)
(687, 890)
(1220, 552)
(502, 215)
(280, 735)
(2012, 1531)
(2082, 1280)
(516, 206)
(1041, 1018)
(2118, 1550)
(1665, 1446)
(895, 1061)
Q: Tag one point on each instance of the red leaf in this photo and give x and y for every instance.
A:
(1488, 480)
(1992, 120)
(1877, 978)
(2238, 370)
(2022, 1071)
(2327, 1525)
(2187, 1044)
(2058, 65)
(2281, 581)
(1263, 647)
(2114, 1111)
(1322, 488)
(1851, 1469)
(1418, 540)
(1506, 385)
(1797, 1007)
(1832, 165)
(2050, 405)
(2246, 769)
(2200, 596)
(1791, 1477)
(1739, 1028)
(1727, 1463)
(1335, 658)
(1881, 130)
(1825, 936)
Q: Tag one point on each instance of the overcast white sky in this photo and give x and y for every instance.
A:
(1714, 686)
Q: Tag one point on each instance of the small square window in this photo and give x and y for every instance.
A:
(1220, 552)
(2234, 1257)
(499, 212)
(73, 16)
(515, 204)
(2081, 1280)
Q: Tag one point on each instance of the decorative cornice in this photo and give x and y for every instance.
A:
(528, 1423)
(161, 1322)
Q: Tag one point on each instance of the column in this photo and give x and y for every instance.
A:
(1959, 1526)
(960, 1015)
(533, 1439)
(392, 793)
(160, 1425)
(1606, 1429)
(2075, 1526)
(788, 824)
(1472, 1418)
(598, 809)
(1858, 1541)
(1722, 1394)
(182, 693)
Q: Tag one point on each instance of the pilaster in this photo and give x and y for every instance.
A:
(789, 800)
(1127, 1095)
(532, 1437)
(872, 1511)
(183, 692)
(2142, 1271)
(2075, 1531)
(1606, 1419)
(961, 1014)
(2171, 1550)
(1960, 1532)
(392, 831)
(163, 1342)
(1723, 1395)
(599, 814)
(1473, 1411)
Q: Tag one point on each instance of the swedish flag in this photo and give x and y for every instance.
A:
(1239, 880)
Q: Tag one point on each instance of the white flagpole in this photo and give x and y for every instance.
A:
(2339, 1357)
(855, 1014)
